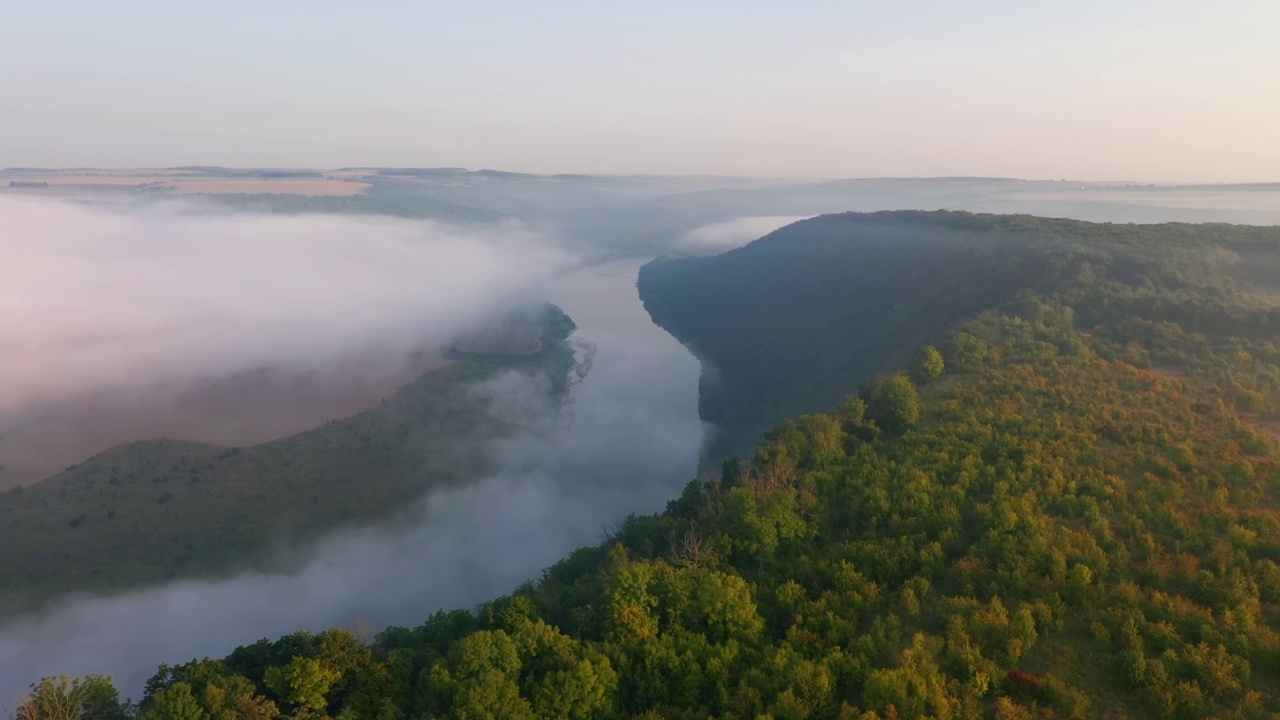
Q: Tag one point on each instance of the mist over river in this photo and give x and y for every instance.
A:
(629, 442)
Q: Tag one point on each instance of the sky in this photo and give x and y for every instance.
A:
(1092, 89)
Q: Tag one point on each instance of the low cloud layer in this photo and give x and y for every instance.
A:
(95, 298)
(627, 442)
(429, 560)
(157, 318)
(722, 236)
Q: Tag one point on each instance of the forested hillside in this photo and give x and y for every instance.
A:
(796, 320)
(159, 509)
(1065, 508)
(1023, 526)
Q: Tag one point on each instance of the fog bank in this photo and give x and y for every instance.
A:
(501, 526)
(115, 317)
(722, 236)
(632, 441)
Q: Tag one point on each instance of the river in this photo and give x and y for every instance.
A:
(632, 444)
(636, 433)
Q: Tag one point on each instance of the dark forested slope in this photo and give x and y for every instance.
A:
(798, 319)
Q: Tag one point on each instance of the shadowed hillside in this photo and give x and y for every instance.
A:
(801, 317)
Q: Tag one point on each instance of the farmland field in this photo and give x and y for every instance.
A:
(180, 181)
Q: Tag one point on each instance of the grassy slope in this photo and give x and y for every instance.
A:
(154, 510)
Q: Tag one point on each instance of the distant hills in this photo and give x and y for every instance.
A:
(604, 216)
(390, 204)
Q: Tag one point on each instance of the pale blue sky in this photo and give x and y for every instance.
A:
(1091, 89)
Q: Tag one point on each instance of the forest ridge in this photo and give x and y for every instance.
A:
(795, 321)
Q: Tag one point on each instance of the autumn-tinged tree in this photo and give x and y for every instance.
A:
(303, 684)
(92, 697)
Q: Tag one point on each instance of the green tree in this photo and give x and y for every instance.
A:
(486, 650)
(823, 440)
(927, 364)
(581, 691)
(852, 412)
(631, 604)
(175, 702)
(236, 698)
(917, 688)
(965, 352)
(894, 403)
(341, 651)
(304, 683)
(491, 694)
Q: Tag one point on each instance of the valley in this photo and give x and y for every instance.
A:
(640, 361)
(947, 464)
(1067, 508)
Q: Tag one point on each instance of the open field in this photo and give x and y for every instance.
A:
(183, 185)
(314, 187)
(89, 179)
(104, 171)
(180, 181)
(340, 192)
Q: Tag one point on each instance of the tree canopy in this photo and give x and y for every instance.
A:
(1058, 534)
